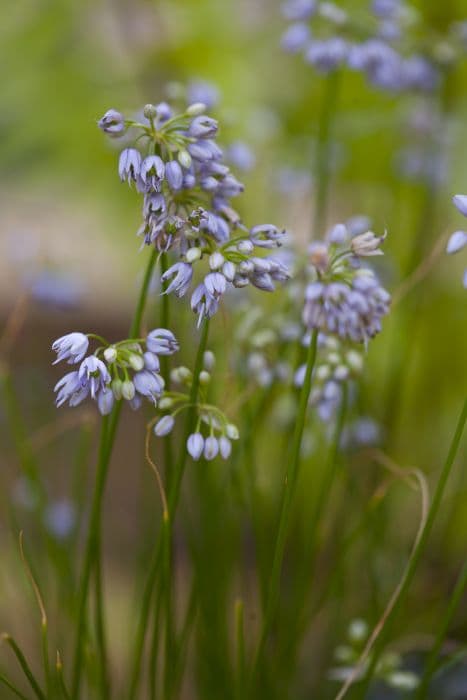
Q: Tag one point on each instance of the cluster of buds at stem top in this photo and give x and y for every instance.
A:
(337, 363)
(345, 297)
(213, 433)
(387, 45)
(389, 669)
(126, 370)
(179, 168)
(458, 239)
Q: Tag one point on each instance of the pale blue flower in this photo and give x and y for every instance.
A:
(457, 242)
(72, 347)
(203, 127)
(152, 173)
(94, 374)
(129, 165)
(181, 275)
(162, 342)
(460, 202)
(105, 401)
(174, 175)
(211, 448)
(148, 384)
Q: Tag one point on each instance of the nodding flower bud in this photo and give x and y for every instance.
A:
(319, 256)
(117, 386)
(110, 354)
(193, 254)
(184, 159)
(209, 360)
(216, 260)
(231, 431)
(229, 270)
(195, 109)
(225, 447)
(195, 445)
(164, 426)
(165, 403)
(211, 448)
(367, 244)
(181, 375)
(136, 362)
(245, 247)
(204, 377)
(128, 390)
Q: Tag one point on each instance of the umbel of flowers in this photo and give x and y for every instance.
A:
(126, 370)
(178, 167)
(384, 43)
(345, 297)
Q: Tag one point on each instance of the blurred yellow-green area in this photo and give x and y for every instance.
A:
(64, 212)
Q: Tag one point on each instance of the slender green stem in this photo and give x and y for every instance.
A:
(92, 549)
(299, 619)
(174, 495)
(287, 500)
(25, 666)
(240, 649)
(11, 687)
(165, 534)
(323, 151)
(430, 665)
(104, 679)
(417, 554)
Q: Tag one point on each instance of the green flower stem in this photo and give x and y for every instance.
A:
(174, 496)
(165, 534)
(286, 508)
(10, 686)
(297, 629)
(25, 666)
(437, 497)
(92, 548)
(430, 665)
(323, 151)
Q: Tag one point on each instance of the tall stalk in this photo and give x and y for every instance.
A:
(92, 548)
(286, 507)
(164, 540)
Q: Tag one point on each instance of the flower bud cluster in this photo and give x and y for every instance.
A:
(337, 363)
(187, 188)
(345, 298)
(389, 667)
(214, 433)
(126, 370)
(384, 44)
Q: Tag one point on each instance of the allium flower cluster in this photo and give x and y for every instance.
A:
(213, 433)
(458, 240)
(337, 363)
(126, 370)
(345, 297)
(187, 188)
(384, 45)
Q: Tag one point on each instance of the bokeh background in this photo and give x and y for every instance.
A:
(68, 232)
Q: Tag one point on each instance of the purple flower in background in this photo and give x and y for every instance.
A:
(60, 519)
(200, 91)
(295, 37)
(72, 347)
(299, 9)
(241, 156)
(327, 54)
(458, 239)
